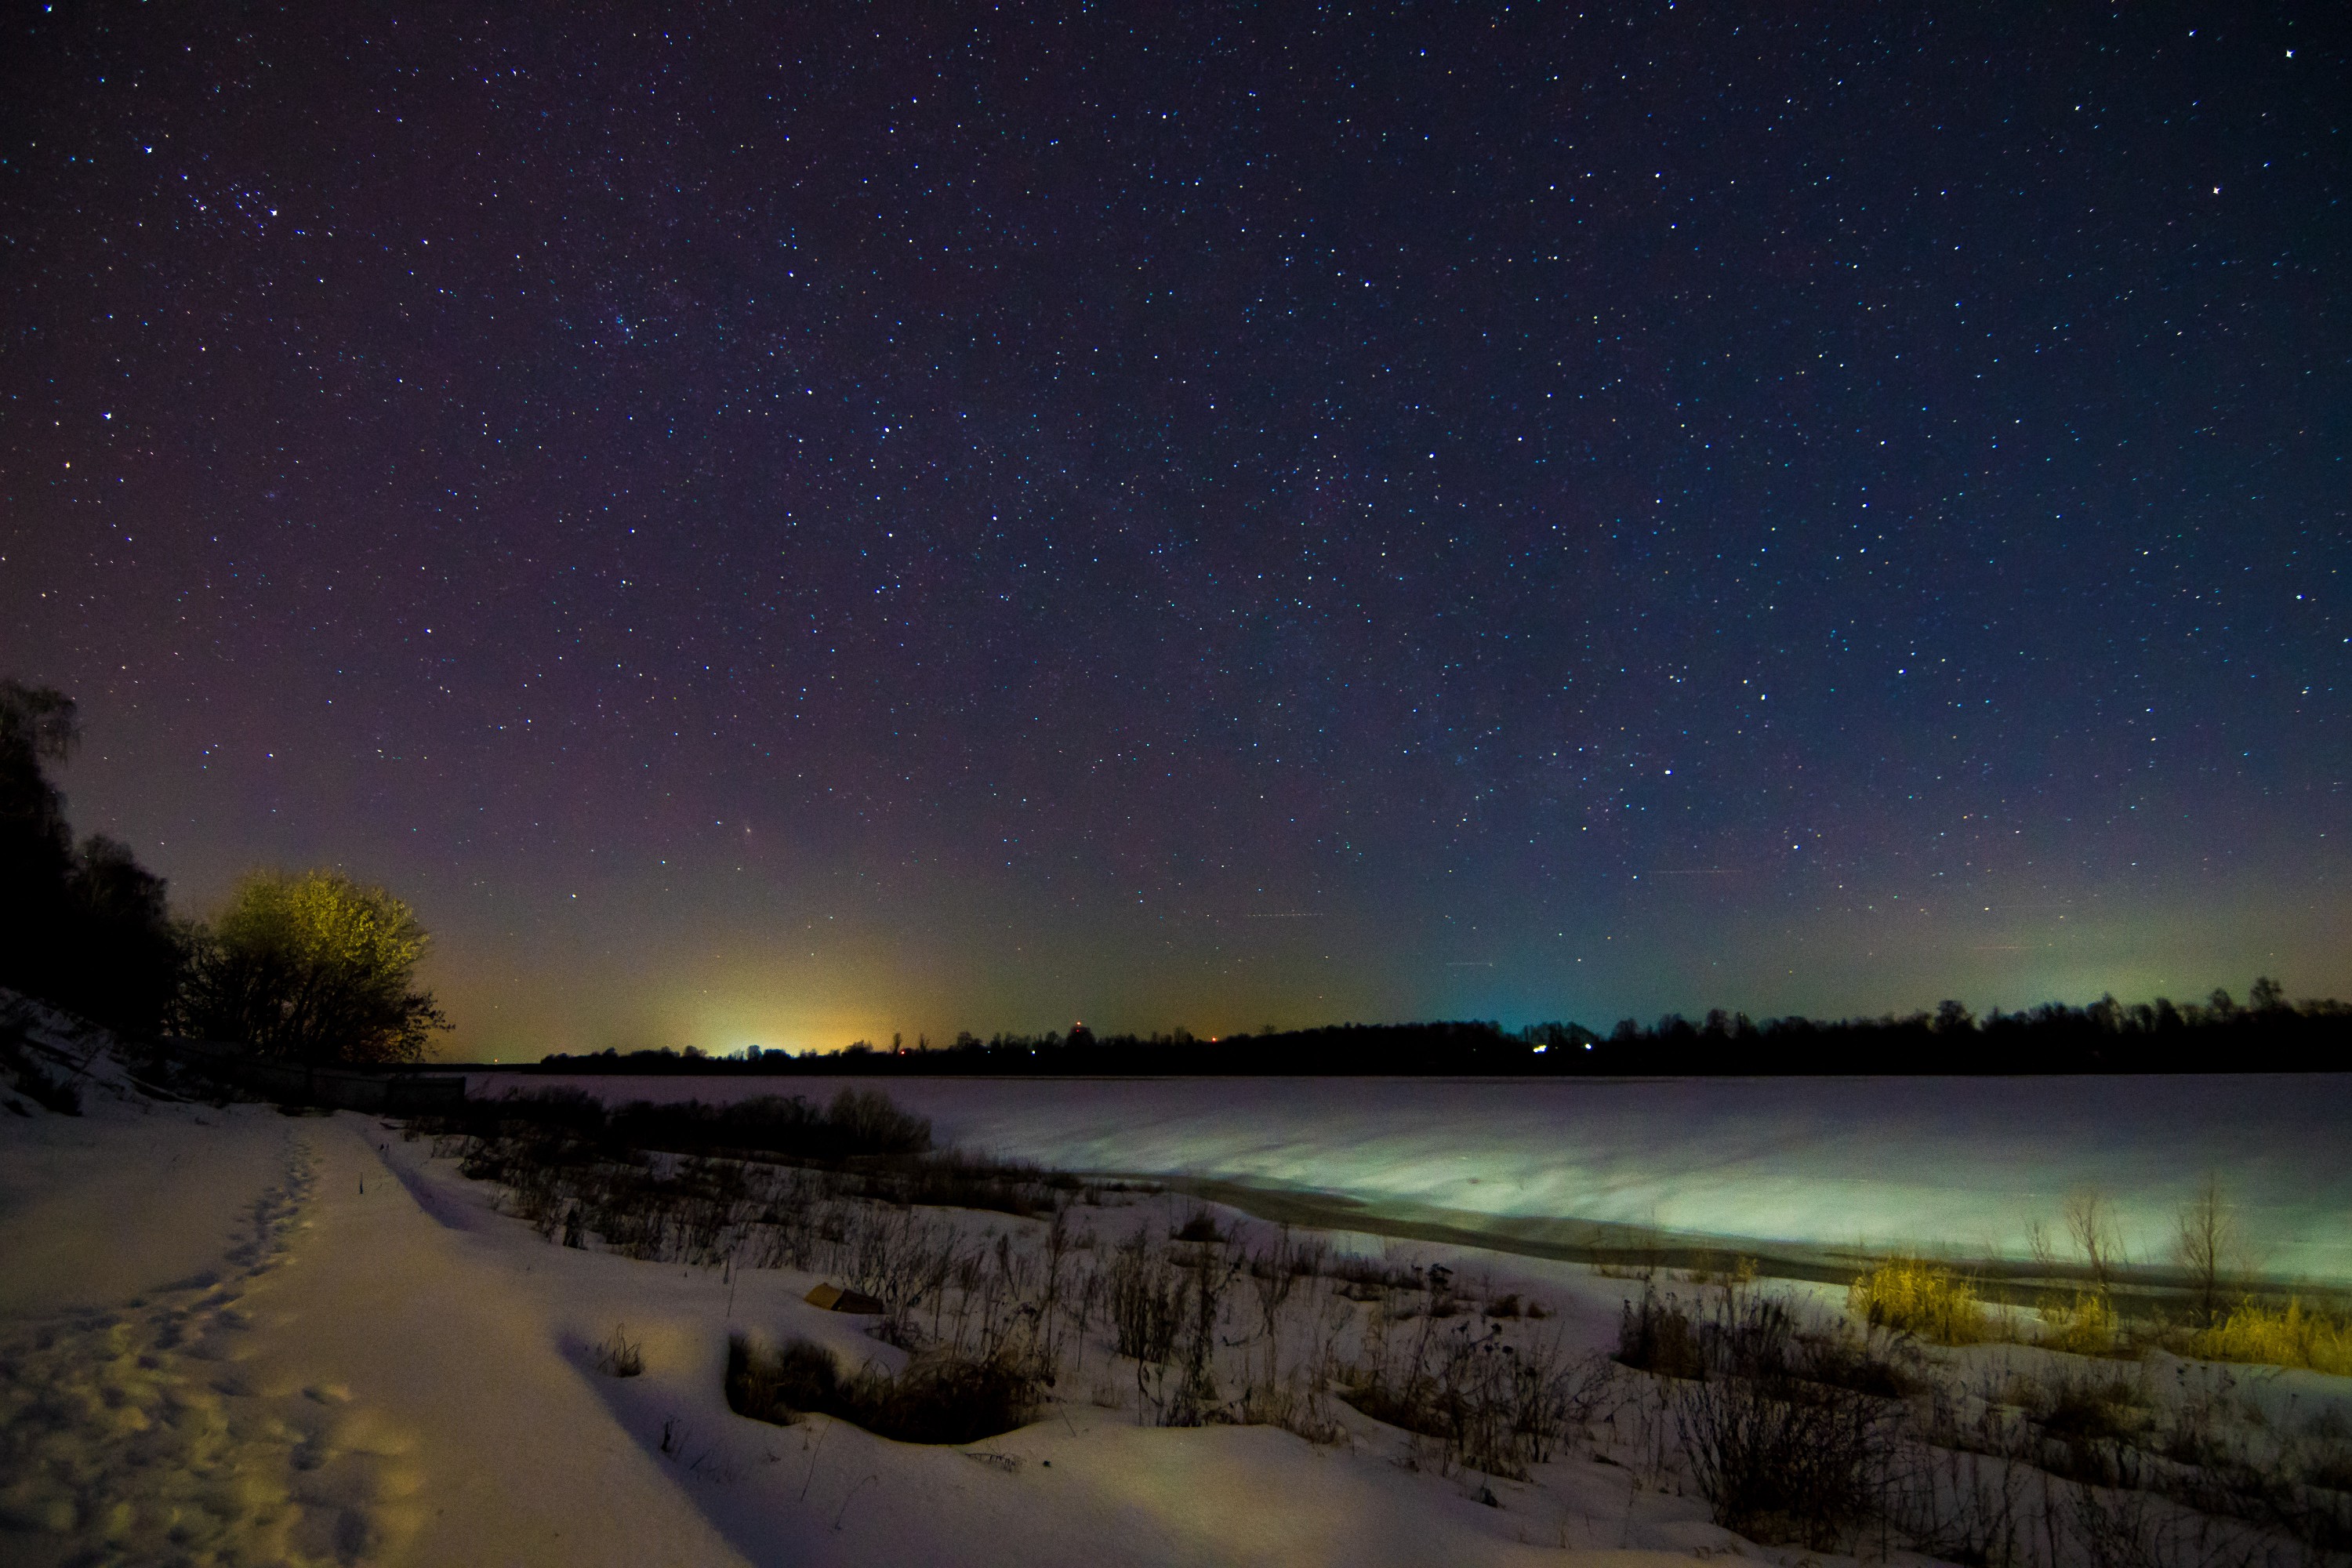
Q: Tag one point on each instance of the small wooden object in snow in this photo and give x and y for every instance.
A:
(833, 1298)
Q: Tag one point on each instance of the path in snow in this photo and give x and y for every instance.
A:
(95, 1209)
(348, 1380)
(138, 1434)
(386, 1370)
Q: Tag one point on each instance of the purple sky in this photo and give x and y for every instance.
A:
(789, 524)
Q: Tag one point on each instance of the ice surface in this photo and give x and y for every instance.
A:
(1957, 1165)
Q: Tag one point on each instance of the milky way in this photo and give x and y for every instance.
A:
(775, 525)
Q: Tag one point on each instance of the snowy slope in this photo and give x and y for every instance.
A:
(367, 1364)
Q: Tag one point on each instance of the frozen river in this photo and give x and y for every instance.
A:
(1961, 1166)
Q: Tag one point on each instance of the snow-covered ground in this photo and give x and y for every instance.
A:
(1953, 1166)
(230, 1335)
(236, 1336)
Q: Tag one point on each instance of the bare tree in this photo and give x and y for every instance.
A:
(2203, 1244)
(2091, 1224)
(2037, 1243)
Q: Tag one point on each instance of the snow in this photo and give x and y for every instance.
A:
(230, 1335)
(82, 1225)
(1952, 1166)
(367, 1363)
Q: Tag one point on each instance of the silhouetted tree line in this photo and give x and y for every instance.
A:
(855, 1124)
(313, 967)
(81, 925)
(1338, 1048)
(2265, 1033)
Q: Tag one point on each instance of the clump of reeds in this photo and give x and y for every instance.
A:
(2082, 1326)
(1913, 1296)
(2280, 1336)
(620, 1356)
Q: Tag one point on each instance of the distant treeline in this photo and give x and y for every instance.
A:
(2266, 1034)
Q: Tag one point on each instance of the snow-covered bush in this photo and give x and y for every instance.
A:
(937, 1399)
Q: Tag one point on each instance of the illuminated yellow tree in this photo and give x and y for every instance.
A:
(313, 967)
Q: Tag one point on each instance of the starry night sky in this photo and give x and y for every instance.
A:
(773, 524)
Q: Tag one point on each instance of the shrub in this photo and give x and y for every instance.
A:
(869, 1119)
(2326, 1453)
(1146, 1300)
(1406, 1408)
(1496, 1407)
(949, 1399)
(1735, 1274)
(1201, 1285)
(1785, 1462)
(942, 1399)
(2085, 1326)
(2081, 1410)
(1656, 1335)
(621, 1356)
(782, 1384)
(858, 1122)
(952, 1179)
(2280, 1336)
(1844, 1360)
(1778, 1454)
(1916, 1296)
(2205, 1244)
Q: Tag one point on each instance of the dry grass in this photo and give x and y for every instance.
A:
(1913, 1295)
(1917, 1297)
(2085, 1326)
(2280, 1336)
(1794, 1429)
(620, 1356)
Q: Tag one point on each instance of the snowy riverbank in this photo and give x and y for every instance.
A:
(306, 1340)
(232, 1335)
(1952, 1166)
